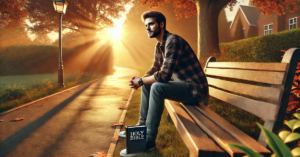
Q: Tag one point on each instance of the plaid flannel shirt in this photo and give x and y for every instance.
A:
(175, 56)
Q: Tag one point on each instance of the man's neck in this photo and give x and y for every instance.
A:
(159, 38)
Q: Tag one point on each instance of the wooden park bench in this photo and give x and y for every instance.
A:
(262, 89)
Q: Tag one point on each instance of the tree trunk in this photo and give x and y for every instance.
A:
(207, 14)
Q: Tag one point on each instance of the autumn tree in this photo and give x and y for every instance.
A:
(12, 19)
(12, 13)
(84, 16)
(207, 12)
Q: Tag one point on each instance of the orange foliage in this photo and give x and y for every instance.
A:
(13, 13)
(183, 8)
(294, 100)
(275, 6)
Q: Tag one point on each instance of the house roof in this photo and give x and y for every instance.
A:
(250, 13)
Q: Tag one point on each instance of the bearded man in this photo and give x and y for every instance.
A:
(176, 74)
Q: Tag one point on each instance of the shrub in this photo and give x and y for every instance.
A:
(278, 144)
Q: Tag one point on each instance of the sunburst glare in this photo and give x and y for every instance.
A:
(115, 33)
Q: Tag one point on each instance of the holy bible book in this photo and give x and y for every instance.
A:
(136, 139)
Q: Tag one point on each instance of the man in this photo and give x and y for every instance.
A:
(173, 58)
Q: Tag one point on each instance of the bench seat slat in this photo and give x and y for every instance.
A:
(232, 130)
(264, 110)
(271, 94)
(250, 75)
(214, 131)
(249, 66)
(195, 139)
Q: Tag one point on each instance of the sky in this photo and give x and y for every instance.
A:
(230, 14)
(119, 22)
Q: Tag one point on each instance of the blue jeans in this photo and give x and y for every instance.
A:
(152, 103)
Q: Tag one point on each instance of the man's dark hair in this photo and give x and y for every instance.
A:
(158, 16)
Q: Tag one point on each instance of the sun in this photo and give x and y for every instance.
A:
(115, 32)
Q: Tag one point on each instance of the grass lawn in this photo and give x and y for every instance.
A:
(16, 90)
(169, 142)
(26, 80)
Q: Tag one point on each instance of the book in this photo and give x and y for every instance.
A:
(136, 139)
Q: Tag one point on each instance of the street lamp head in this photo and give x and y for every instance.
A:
(60, 6)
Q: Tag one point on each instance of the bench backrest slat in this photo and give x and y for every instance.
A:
(264, 110)
(278, 75)
(249, 75)
(250, 66)
(269, 94)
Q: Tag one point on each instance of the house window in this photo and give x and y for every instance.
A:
(268, 29)
(293, 23)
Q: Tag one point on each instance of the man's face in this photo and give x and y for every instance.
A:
(152, 27)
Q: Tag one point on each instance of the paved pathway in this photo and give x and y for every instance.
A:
(76, 122)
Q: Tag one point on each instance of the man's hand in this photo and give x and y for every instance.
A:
(134, 82)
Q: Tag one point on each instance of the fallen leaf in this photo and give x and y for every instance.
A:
(18, 119)
(283, 50)
(118, 124)
(98, 154)
(114, 139)
(123, 108)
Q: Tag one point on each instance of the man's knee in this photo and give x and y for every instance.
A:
(157, 87)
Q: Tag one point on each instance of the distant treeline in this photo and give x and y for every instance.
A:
(37, 59)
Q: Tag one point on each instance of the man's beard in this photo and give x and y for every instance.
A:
(155, 33)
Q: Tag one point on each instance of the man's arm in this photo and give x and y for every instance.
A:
(149, 79)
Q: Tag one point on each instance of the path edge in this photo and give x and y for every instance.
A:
(16, 108)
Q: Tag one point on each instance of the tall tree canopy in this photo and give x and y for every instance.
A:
(208, 11)
(275, 6)
(84, 16)
(12, 13)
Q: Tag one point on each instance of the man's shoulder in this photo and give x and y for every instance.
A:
(174, 38)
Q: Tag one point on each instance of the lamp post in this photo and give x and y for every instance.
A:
(61, 7)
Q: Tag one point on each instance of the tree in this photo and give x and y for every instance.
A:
(207, 12)
(84, 16)
(12, 13)
(16, 35)
(275, 6)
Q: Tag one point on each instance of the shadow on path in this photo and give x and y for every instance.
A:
(11, 142)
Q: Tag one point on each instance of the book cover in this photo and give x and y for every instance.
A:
(136, 139)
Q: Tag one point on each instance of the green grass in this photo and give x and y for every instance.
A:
(36, 86)
(26, 80)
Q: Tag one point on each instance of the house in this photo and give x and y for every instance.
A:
(249, 22)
